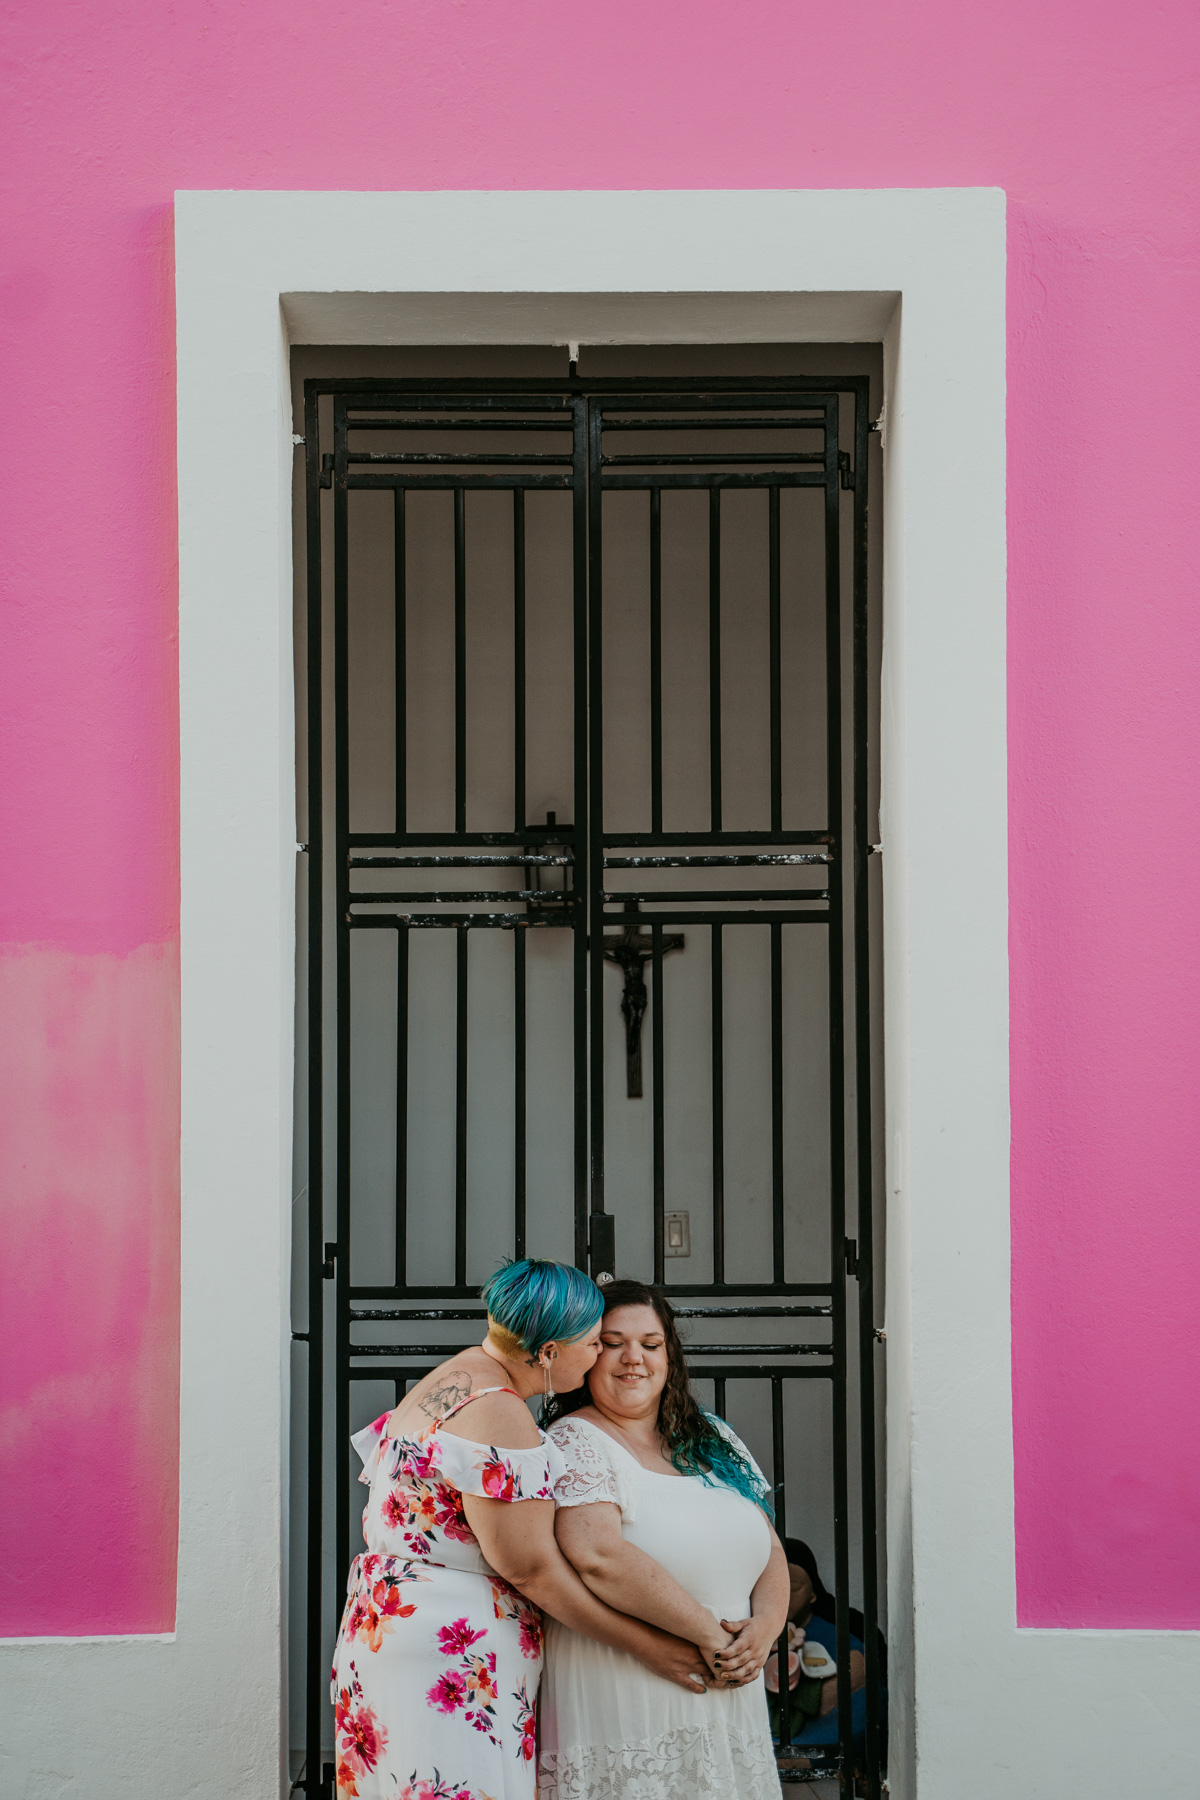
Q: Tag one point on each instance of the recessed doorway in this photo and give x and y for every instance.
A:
(589, 925)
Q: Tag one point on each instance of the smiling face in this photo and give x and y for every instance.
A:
(631, 1370)
(571, 1361)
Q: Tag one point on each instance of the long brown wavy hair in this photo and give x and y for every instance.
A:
(691, 1437)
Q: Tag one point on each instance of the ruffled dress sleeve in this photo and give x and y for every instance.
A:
(369, 1442)
(591, 1471)
(494, 1474)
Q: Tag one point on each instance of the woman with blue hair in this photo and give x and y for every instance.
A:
(665, 1514)
(439, 1655)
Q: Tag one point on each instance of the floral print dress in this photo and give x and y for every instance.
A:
(437, 1663)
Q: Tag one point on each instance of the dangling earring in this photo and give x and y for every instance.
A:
(548, 1389)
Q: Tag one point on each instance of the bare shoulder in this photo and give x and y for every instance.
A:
(443, 1388)
(502, 1420)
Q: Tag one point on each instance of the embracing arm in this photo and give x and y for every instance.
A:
(517, 1538)
(754, 1638)
(626, 1578)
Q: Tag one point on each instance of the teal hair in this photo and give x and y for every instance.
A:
(542, 1302)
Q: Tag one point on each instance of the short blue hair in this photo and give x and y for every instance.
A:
(541, 1302)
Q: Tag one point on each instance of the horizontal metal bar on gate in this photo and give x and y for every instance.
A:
(778, 458)
(753, 1312)
(673, 894)
(447, 483)
(787, 859)
(718, 478)
(706, 425)
(758, 1349)
(713, 1289)
(473, 921)
(557, 837)
(392, 1312)
(448, 458)
(465, 396)
(560, 424)
(448, 899)
(613, 839)
(660, 398)
(777, 917)
(439, 1350)
(537, 860)
(768, 1372)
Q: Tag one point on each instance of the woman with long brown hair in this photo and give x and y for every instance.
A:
(666, 1516)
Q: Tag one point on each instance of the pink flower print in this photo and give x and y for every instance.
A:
(419, 1460)
(454, 1639)
(453, 1521)
(499, 1482)
(378, 1425)
(481, 1679)
(505, 1601)
(394, 1508)
(526, 1724)
(362, 1741)
(449, 1692)
(530, 1626)
(386, 1595)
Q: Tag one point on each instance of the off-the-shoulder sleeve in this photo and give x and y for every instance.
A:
(494, 1474)
(368, 1442)
(591, 1472)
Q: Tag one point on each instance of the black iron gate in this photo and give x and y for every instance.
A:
(697, 551)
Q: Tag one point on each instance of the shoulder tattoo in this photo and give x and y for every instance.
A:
(451, 1386)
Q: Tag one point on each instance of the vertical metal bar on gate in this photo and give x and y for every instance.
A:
(584, 917)
(400, 581)
(402, 959)
(837, 1081)
(776, 660)
(863, 1123)
(315, 1671)
(717, 981)
(779, 1473)
(341, 837)
(655, 659)
(595, 901)
(518, 661)
(461, 1058)
(659, 1137)
(520, 1107)
(460, 659)
(714, 657)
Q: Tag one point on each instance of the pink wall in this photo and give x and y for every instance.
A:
(1088, 115)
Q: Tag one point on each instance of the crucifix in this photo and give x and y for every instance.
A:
(630, 950)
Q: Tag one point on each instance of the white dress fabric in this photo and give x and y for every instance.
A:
(612, 1730)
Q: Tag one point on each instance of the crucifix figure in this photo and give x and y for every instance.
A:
(631, 949)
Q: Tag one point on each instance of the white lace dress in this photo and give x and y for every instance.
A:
(611, 1730)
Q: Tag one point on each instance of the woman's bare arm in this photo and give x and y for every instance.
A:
(754, 1638)
(517, 1538)
(626, 1578)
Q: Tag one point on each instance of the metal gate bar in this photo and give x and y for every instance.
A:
(586, 412)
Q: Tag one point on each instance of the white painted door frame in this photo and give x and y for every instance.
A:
(923, 271)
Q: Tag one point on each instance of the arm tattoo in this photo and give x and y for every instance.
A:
(448, 1390)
